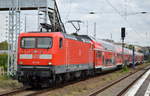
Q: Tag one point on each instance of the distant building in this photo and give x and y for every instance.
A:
(146, 50)
(108, 40)
(138, 48)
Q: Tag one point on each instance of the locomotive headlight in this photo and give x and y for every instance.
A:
(49, 63)
(21, 62)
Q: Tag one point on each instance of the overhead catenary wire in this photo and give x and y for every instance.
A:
(84, 10)
(69, 11)
(117, 11)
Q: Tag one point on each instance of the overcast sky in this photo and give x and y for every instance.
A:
(109, 17)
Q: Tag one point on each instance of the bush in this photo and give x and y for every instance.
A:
(3, 61)
(3, 45)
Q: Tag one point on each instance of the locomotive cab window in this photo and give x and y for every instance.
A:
(36, 42)
(60, 43)
(44, 42)
(28, 42)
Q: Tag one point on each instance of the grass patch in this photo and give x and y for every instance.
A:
(125, 69)
(7, 82)
(82, 88)
(4, 77)
(3, 61)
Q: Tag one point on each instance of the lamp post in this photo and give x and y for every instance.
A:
(25, 24)
(93, 13)
(143, 12)
(94, 29)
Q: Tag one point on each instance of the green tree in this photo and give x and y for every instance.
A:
(4, 45)
(130, 46)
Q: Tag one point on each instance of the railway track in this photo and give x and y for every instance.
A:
(124, 90)
(33, 92)
(24, 92)
(8, 93)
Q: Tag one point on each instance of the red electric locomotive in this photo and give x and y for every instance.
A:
(47, 57)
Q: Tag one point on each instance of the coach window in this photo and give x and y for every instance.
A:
(99, 54)
(60, 43)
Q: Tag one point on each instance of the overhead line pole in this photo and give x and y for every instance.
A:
(87, 28)
(95, 29)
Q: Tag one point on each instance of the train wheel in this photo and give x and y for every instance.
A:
(36, 85)
(58, 79)
(84, 75)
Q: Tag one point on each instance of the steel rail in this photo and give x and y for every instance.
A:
(117, 81)
(9, 93)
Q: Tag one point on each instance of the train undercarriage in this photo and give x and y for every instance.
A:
(37, 78)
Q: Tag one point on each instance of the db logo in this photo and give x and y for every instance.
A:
(35, 56)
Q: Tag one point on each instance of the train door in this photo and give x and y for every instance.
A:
(103, 58)
(109, 59)
(114, 58)
(91, 56)
(98, 58)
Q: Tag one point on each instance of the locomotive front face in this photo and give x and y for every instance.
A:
(35, 51)
(35, 57)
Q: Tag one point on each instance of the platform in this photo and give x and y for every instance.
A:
(141, 87)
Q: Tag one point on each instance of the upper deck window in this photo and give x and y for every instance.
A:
(36, 42)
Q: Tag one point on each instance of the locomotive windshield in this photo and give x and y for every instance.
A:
(36, 42)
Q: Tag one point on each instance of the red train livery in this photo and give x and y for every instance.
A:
(45, 58)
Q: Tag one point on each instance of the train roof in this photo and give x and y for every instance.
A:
(100, 44)
(81, 38)
(107, 45)
(34, 34)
